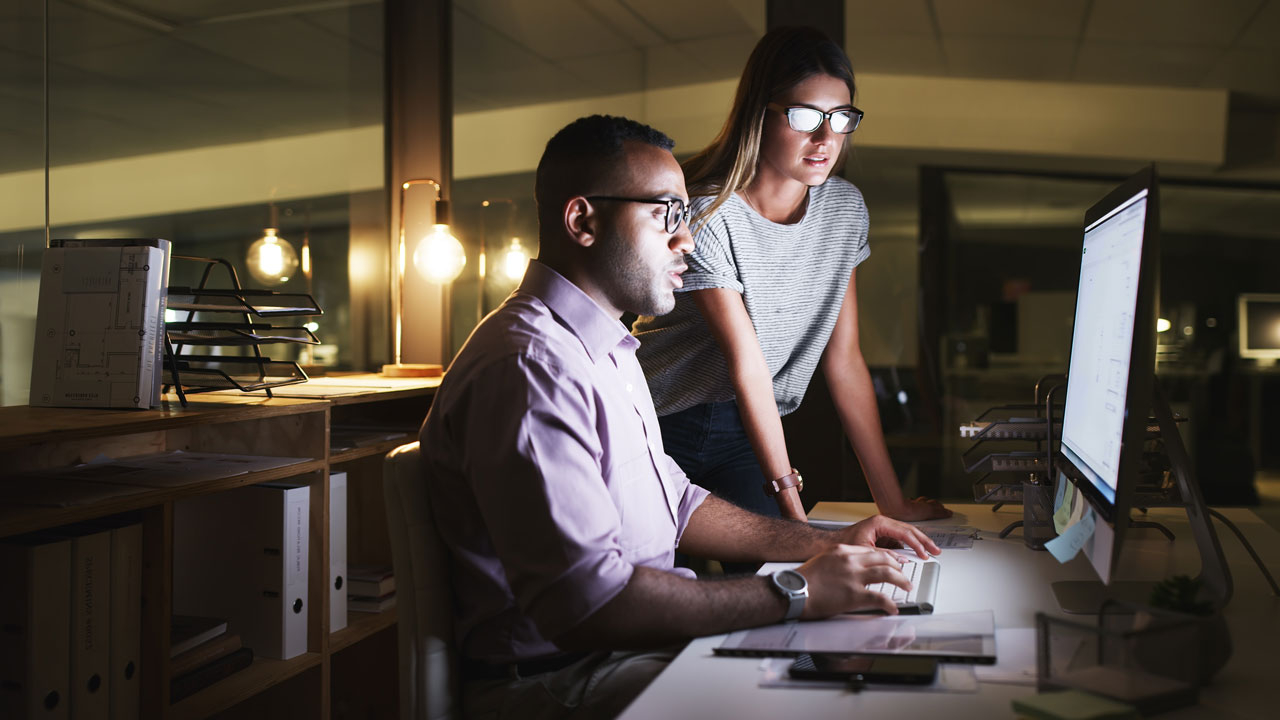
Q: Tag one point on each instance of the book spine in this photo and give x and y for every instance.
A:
(337, 551)
(91, 617)
(35, 631)
(126, 620)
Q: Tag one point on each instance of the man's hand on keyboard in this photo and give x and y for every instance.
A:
(880, 531)
(838, 580)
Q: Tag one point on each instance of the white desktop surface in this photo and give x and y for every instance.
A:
(1014, 581)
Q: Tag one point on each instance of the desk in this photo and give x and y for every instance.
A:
(1006, 576)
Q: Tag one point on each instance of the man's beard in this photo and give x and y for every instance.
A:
(632, 285)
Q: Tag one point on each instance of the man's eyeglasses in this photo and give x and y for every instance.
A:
(677, 211)
(807, 119)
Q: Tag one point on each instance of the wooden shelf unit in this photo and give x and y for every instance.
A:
(34, 439)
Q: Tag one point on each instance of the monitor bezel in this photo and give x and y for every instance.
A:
(1141, 378)
(1242, 308)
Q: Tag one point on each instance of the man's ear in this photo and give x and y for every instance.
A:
(580, 221)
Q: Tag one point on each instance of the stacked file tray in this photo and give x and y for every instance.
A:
(221, 348)
(1003, 471)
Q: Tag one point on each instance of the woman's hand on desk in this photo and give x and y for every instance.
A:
(838, 580)
(922, 508)
(880, 531)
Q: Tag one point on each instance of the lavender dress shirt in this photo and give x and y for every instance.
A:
(546, 471)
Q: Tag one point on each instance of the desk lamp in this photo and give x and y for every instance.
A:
(439, 258)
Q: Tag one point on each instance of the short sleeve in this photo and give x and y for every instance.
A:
(711, 264)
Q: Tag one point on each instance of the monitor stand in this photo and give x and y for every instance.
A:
(1087, 596)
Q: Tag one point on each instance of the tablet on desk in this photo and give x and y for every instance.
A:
(951, 637)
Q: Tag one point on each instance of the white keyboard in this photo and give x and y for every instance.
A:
(924, 587)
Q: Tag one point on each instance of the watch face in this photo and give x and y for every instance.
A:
(790, 579)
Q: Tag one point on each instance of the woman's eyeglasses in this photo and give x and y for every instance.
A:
(807, 119)
(677, 211)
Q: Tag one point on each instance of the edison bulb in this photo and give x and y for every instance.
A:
(272, 260)
(515, 261)
(439, 257)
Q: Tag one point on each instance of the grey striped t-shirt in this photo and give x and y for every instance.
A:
(792, 279)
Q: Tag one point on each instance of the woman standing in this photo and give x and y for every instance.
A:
(770, 294)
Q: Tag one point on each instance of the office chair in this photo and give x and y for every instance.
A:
(428, 667)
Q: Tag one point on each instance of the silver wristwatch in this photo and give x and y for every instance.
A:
(794, 588)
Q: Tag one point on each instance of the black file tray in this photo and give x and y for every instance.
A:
(245, 368)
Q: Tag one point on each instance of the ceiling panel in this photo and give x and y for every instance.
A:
(310, 56)
(359, 25)
(864, 18)
(685, 20)
(1193, 22)
(1130, 64)
(1252, 70)
(625, 22)
(1264, 31)
(552, 29)
(605, 74)
(1007, 57)
(896, 54)
(1057, 19)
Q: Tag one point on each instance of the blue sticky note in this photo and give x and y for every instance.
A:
(1065, 546)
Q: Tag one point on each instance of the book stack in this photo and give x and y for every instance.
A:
(202, 652)
(370, 588)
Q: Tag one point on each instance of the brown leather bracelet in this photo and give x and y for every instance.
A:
(791, 480)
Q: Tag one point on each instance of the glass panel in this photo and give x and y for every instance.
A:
(1012, 266)
(524, 70)
(206, 123)
(22, 187)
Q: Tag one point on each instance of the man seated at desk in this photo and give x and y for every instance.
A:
(547, 476)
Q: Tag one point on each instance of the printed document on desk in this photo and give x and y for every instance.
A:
(952, 637)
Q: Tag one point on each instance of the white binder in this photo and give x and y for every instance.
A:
(337, 550)
(35, 629)
(242, 555)
(91, 625)
(126, 620)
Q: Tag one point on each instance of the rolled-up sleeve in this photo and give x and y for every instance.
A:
(711, 263)
(540, 490)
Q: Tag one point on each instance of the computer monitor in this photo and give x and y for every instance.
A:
(1112, 393)
(1112, 361)
(1259, 326)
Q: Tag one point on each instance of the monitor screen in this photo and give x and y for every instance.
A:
(1259, 326)
(1102, 344)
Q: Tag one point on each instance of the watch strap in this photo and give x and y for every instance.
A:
(791, 479)
(795, 598)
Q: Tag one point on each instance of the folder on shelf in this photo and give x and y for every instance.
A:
(166, 247)
(337, 551)
(126, 620)
(91, 624)
(97, 327)
(35, 628)
(243, 555)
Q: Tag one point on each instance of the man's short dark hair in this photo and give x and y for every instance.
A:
(585, 150)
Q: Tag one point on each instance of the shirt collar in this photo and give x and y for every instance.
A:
(599, 332)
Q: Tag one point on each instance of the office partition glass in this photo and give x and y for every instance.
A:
(1011, 250)
(206, 124)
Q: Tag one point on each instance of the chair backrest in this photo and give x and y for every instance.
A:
(424, 596)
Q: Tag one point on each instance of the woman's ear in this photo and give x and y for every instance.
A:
(580, 221)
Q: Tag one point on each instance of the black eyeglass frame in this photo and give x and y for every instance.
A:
(671, 203)
(856, 117)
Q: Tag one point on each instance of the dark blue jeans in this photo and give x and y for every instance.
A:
(711, 446)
